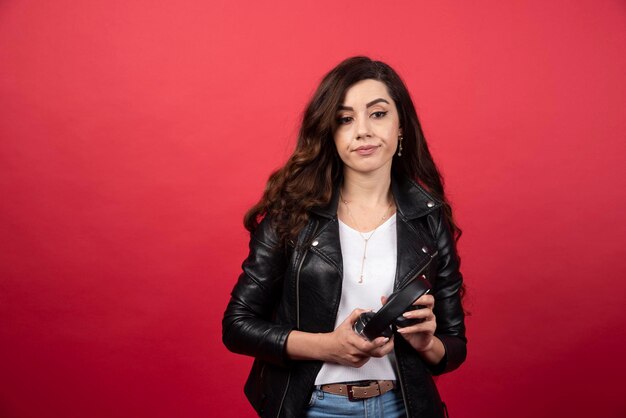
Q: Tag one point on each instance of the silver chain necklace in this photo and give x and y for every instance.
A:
(365, 240)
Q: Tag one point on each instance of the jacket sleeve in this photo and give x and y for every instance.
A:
(447, 292)
(247, 326)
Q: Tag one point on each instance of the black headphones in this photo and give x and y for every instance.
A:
(375, 324)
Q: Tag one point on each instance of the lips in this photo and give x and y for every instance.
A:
(366, 149)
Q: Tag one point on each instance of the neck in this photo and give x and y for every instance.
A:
(367, 190)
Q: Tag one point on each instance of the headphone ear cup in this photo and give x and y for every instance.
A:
(402, 322)
(362, 321)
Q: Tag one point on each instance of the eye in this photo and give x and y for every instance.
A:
(379, 114)
(344, 120)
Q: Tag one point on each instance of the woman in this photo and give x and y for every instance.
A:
(357, 210)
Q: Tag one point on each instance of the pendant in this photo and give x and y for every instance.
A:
(363, 260)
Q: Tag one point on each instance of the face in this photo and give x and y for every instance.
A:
(369, 125)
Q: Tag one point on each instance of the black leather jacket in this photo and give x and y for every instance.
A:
(300, 288)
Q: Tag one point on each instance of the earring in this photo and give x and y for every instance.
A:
(399, 145)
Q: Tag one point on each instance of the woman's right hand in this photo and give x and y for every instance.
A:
(346, 347)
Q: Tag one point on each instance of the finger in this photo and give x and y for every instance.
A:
(383, 350)
(386, 349)
(383, 300)
(354, 315)
(378, 344)
(380, 341)
(426, 300)
(426, 326)
(424, 313)
(352, 318)
(364, 346)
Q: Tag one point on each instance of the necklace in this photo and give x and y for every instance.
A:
(365, 239)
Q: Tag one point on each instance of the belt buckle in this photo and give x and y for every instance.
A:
(351, 394)
(351, 397)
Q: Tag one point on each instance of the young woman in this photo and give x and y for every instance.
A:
(357, 211)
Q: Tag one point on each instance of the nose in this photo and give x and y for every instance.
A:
(363, 128)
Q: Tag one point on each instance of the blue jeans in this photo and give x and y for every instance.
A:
(327, 405)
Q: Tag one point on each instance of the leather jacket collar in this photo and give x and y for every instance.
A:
(412, 201)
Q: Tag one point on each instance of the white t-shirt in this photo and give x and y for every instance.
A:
(378, 279)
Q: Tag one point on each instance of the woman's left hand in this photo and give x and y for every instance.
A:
(421, 336)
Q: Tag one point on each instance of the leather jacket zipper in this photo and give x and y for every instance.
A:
(298, 280)
(280, 408)
(397, 362)
(298, 291)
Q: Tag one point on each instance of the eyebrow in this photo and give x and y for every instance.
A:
(370, 104)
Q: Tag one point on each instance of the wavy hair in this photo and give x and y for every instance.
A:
(307, 179)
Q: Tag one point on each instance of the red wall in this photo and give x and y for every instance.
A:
(134, 135)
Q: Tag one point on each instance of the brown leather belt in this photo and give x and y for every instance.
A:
(360, 390)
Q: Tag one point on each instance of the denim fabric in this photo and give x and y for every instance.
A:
(327, 405)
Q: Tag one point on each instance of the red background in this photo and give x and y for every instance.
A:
(134, 135)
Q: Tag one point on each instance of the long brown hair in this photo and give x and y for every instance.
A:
(308, 177)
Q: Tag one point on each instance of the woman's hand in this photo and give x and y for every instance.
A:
(421, 336)
(346, 347)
